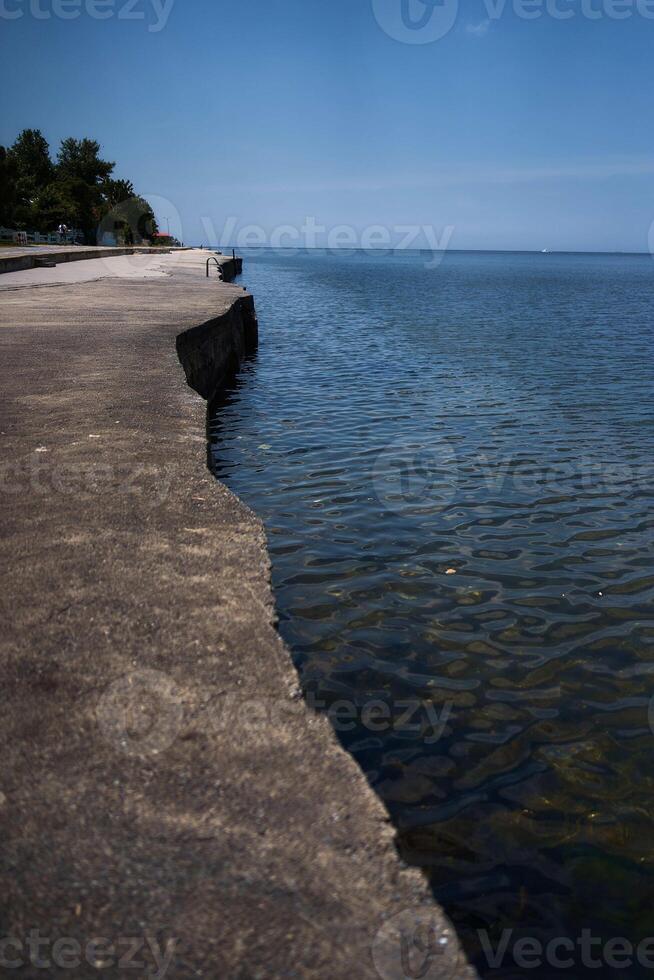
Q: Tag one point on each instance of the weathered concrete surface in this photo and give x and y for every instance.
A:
(130, 265)
(161, 777)
(87, 270)
(19, 258)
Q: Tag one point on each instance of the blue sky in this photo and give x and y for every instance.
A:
(511, 132)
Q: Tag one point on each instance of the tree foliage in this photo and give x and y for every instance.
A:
(8, 192)
(80, 159)
(79, 190)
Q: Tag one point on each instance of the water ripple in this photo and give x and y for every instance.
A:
(455, 469)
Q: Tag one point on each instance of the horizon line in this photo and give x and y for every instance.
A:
(391, 248)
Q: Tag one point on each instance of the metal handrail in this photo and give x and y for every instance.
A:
(217, 264)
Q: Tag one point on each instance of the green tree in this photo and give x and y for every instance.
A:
(30, 157)
(80, 159)
(127, 216)
(116, 190)
(73, 202)
(79, 190)
(80, 176)
(8, 194)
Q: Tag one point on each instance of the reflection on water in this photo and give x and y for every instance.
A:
(455, 470)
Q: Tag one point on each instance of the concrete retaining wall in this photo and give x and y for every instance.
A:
(33, 257)
(212, 352)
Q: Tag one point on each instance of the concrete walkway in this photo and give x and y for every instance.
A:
(19, 258)
(105, 264)
(89, 270)
(164, 786)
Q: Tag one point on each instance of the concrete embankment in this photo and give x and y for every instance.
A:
(18, 259)
(163, 781)
(42, 256)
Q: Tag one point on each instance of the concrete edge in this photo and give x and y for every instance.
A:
(211, 355)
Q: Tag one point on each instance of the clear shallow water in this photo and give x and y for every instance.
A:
(455, 467)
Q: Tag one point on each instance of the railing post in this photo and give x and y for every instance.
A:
(217, 265)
